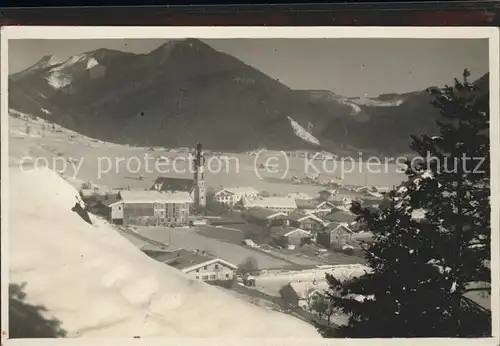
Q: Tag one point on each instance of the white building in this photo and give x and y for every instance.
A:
(231, 196)
(197, 264)
(277, 204)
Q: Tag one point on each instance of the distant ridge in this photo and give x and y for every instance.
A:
(185, 92)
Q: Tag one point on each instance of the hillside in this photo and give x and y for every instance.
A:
(186, 92)
(70, 278)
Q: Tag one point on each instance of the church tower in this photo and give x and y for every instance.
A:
(199, 178)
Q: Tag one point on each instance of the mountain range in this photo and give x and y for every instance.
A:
(185, 92)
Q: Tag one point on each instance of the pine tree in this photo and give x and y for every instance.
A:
(421, 269)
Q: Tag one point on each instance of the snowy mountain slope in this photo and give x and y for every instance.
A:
(58, 80)
(303, 133)
(103, 94)
(365, 101)
(193, 93)
(98, 284)
(44, 63)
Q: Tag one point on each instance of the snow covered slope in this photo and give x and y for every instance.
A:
(98, 284)
(302, 132)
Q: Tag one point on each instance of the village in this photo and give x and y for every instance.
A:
(271, 249)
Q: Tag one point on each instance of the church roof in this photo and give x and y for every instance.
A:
(174, 184)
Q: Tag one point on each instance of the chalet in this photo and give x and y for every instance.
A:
(325, 208)
(231, 196)
(285, 236)
(277, 204)
(305, 221)
(150, 208)
(264, 217)
(198, 265)
(335, 235)
(302, 294)
(168, 184)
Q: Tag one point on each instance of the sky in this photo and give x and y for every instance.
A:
(350, 67)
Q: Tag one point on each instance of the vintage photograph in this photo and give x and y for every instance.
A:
(249, 187)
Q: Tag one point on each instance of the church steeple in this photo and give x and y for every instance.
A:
(199, 177)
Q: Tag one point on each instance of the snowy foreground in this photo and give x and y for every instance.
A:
(98, 284)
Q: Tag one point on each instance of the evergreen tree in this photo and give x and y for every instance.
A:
(421, 269)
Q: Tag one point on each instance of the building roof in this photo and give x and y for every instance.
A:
(298, 217)
(299, 195)
(174, 184)
(286, 231)
(140, 196)
(240, 190)
(340, 216)
(167, 257)
(306, 203)
(108, 200)
(178, 197)
(370, 202)
(329, 191)
(187, 260)
(328, 204)
(274, 202)
(263, 213)
(333, 226)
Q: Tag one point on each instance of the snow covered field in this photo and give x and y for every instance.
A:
(115, 165)
(96, 283)
(188, 239)
(272, 281)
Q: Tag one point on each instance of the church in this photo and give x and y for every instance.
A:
(195, 186)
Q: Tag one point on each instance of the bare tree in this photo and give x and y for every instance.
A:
(248, 266)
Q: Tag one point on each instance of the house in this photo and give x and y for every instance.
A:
(381, 189)
(370, 201)
(285, 236)
(198, 265)
(302, 294)
(150, 208)
(277, 204)
(101, 206)
(325, 208)
(164, 184)
(231, 196)
(264, 217)
(305, 221)
(306, 205)
(328, 195)
(336, 235)
(362, 189)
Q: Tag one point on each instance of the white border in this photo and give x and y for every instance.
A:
(55, 32)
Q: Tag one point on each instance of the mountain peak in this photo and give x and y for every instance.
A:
(192, 43)
(49, 60)
(44, 62)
